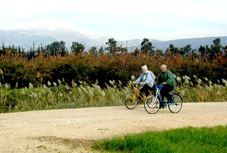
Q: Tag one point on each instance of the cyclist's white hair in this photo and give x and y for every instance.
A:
(145, 66)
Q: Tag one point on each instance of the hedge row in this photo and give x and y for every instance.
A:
(19, 72)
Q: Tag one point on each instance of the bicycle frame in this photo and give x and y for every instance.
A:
(137, 91)
(157, 94)
(155, 101)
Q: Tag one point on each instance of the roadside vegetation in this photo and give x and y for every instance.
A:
(56, 95)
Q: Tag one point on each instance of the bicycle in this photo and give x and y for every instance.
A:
(132, 97)
(153, 102)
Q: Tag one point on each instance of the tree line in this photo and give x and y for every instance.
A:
(59, 48)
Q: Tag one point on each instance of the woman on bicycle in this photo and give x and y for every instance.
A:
(166, 77)
(146, 79)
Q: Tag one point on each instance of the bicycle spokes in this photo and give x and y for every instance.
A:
(176, 105)
(131, 100)
(152, 104)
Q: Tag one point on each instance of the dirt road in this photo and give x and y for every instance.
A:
(72, 130)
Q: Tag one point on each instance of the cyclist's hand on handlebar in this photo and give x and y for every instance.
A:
(164, 83)
(143, 83)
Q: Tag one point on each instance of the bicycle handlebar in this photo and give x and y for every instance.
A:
(158, 86)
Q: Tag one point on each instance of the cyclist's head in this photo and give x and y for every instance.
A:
(163, 67)
(144, 68)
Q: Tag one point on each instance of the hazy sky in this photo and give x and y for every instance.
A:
(121, 19)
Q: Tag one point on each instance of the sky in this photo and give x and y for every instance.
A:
(121, 19)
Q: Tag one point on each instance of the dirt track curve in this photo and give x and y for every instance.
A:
(60, 130)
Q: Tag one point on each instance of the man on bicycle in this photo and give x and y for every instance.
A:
(146, 79)
(166, 77)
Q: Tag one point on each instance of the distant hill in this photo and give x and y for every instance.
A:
(194, 42)
(26, 38)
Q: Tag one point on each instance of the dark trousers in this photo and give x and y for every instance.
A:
(165, 91)
(146, 89)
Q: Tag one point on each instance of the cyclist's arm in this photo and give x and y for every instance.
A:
(138, 80)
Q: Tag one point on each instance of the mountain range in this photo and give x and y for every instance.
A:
(26, 38)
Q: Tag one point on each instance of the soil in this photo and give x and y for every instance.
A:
(74, 130)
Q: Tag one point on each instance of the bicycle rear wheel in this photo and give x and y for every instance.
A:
(152, 104)
(131, 100)
(176, 105)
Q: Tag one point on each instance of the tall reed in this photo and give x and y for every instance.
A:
(59, 94)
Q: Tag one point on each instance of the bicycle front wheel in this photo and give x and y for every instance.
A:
(131, 100)
(152, 104)
(176, 105)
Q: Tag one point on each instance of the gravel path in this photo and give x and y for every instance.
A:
(73, 130)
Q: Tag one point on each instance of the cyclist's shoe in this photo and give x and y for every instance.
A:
(161, 106)
(170, 100)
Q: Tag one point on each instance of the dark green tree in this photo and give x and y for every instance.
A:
(174, 50)
(202, 50)
(93, 50)
(2, 51)
(112, 45)
(19, 49)
(101, 50)
(208, 50)
(217, 42)
(62, 48)
(77, 47)
(215, 49)
(146, 46)
(136, 52)
(187, 49)
(122, 49)
(159, 52)
(56, 48)
(40, 49)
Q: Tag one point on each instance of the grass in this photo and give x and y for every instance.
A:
(57, 97)
(187, 140)
(77, 96)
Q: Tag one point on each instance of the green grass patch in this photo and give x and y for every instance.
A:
(187, 140)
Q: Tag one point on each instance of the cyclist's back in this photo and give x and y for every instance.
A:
(147, 79)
